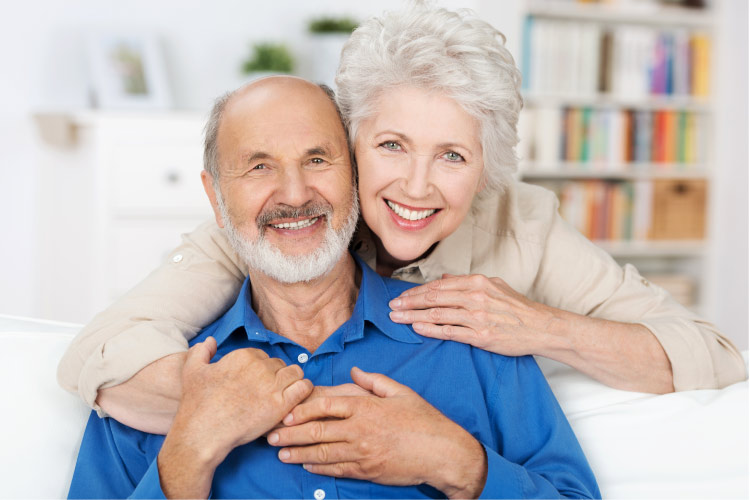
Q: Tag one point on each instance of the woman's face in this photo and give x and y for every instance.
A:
(420, 164)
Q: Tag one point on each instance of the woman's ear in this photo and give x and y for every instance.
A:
(208, 187)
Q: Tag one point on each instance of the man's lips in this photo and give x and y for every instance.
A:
(295, 224)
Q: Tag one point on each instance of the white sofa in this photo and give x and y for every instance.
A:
(686, 445)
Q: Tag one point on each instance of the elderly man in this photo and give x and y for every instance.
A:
(266, 409)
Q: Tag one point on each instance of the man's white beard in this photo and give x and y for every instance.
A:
(262, 256)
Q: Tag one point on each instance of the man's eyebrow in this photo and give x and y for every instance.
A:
(252, 156)
(321, 150)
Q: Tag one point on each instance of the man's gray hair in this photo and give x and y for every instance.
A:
(436, 49)
(211, 130)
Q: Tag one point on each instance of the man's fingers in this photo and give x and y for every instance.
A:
(201, 353)
(317, 431)
(342, 469)
(297, 392)
(377, 383)
(323, 407)
(323, 453)
(339, 390)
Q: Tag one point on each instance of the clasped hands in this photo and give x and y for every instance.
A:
(374, 429)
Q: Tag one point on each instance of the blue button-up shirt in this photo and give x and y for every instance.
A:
(504, 402)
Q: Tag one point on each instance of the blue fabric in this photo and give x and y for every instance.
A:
(504, 402)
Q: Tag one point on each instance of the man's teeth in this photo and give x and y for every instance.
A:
(407, 214)
(296, 225)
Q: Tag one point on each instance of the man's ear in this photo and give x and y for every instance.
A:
(208, 187)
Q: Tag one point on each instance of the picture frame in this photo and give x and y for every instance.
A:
(127, 72)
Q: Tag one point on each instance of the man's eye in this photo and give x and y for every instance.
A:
(259, 166)
(453, 156)
(317, 161)
(391, 145)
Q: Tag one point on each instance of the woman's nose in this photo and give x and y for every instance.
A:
(417, 181)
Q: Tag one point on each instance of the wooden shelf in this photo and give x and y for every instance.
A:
(637, 171)
(686, 248)
(652, 102)
(647, 13)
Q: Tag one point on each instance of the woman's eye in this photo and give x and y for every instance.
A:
(391, 145)
(453, 156)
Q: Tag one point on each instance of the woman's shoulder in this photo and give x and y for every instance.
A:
(520, 210)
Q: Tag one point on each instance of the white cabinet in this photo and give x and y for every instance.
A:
(115, 193)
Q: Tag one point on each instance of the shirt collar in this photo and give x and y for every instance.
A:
(371, 305)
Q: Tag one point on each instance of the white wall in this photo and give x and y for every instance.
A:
(42, 49)
(729, 220)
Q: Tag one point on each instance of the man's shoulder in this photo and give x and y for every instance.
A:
(396, 287)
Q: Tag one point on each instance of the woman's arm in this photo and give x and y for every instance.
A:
(583, 310)
(152, 322)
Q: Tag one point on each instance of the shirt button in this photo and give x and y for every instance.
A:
(319, 494)
(302, 358)
(645, 282)
(177, 258)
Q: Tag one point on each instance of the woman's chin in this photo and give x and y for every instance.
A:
(407, 255)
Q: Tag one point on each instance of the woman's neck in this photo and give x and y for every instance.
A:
(386, 264)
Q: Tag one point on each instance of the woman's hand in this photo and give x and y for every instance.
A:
(489, 314)
(477, 310)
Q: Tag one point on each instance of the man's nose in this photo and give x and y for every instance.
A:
(417, 183)
(294, 188)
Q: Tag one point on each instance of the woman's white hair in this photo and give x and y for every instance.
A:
(437, 49)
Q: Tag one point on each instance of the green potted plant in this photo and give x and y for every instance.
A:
(327, 37)
(268, 58)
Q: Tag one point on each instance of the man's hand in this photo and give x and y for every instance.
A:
(224, 405)
(392, 436)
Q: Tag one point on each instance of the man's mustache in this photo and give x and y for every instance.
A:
(309, 209)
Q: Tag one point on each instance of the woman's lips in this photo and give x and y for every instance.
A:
(405, 223)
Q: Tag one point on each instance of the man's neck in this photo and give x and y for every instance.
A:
(307, 312)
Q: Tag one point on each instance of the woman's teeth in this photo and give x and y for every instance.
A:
(296, 225)
(407, 214)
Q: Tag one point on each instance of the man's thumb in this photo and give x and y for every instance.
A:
(377, 383)
(202, 352)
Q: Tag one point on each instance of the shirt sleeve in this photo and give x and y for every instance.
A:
(537, 454)
(577, 276)
(198, 282)
(111, 461)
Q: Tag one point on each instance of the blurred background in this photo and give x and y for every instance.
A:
(635, 114)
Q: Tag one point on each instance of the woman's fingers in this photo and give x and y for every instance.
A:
(449, 332)
(439, 298)
(435, 315)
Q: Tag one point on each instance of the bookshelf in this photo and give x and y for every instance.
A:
(617, 121)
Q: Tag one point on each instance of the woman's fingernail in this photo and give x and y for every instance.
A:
(273, 438)
(395, 303)
(284, 454)
(288, 419)
(397, 315)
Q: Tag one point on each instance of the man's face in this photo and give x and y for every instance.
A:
(287, 197)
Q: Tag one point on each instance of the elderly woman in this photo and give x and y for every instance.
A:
(431, 102)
